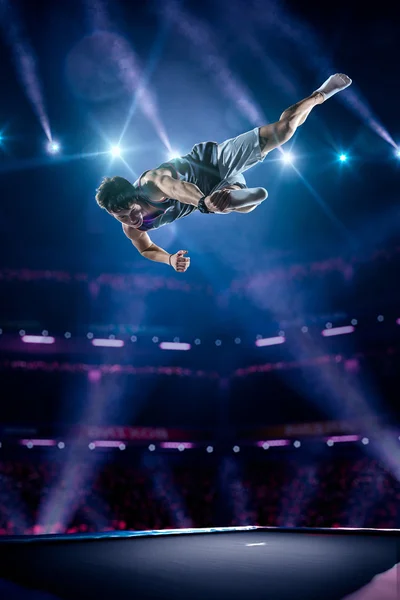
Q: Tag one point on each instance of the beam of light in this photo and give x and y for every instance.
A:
(164, 489)
(38, 442)
(338, 331)
(360, 108)
(272, 444)
(121, 53)
(397, 152)
(299, 33)
(174, 346)
(76, 477)
(107, 343)
(346, 395)
(272, 341)
(155, 55)
(25, 62)
(342, 157)
(207, 52)
(135, 175)
(37, 339)
(328, 211)
(35, 163)
(231, 16)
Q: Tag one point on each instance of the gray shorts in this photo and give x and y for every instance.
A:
(239, 154)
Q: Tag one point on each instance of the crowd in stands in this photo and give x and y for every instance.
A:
(45, 495)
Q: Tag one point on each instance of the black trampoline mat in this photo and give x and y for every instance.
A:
(263, 563)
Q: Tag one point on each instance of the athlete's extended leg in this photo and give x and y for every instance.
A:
(276, 134)
(237, 155)
(269, 137)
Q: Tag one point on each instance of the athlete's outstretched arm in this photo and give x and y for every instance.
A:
(142, 242)
(158, 183)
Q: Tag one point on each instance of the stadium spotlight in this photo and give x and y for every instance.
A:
(115, 151)
(342, 157)
(53, 147)
(287, 158)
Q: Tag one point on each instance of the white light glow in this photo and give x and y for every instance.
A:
(174, 154)
(342, 157)
(338, 331)
(174, 346)
(287, 158)
(115, 151)
(53, 147)
(107, 343)
(273, 341)
(37, 339)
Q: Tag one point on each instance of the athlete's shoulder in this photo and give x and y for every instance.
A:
(154, 175)
(131, 232)
(147, 183)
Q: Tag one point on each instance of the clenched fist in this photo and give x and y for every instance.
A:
(179, 261)
(220, 201)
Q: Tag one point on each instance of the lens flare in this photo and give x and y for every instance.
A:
(287, 158)
(53, 147)
(116, 151)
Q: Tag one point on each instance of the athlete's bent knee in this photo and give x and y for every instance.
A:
(263, 194)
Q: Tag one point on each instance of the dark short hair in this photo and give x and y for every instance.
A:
(115, 193)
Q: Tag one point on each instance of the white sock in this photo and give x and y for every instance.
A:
(247, 197)
(334, 84)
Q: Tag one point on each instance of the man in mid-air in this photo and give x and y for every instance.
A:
(209, 179)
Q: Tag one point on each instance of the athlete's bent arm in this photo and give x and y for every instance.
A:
(142, 242)
(158, 184)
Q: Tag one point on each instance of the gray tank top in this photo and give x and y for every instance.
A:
(200, 167)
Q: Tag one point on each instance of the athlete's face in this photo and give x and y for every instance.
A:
(131, 216)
